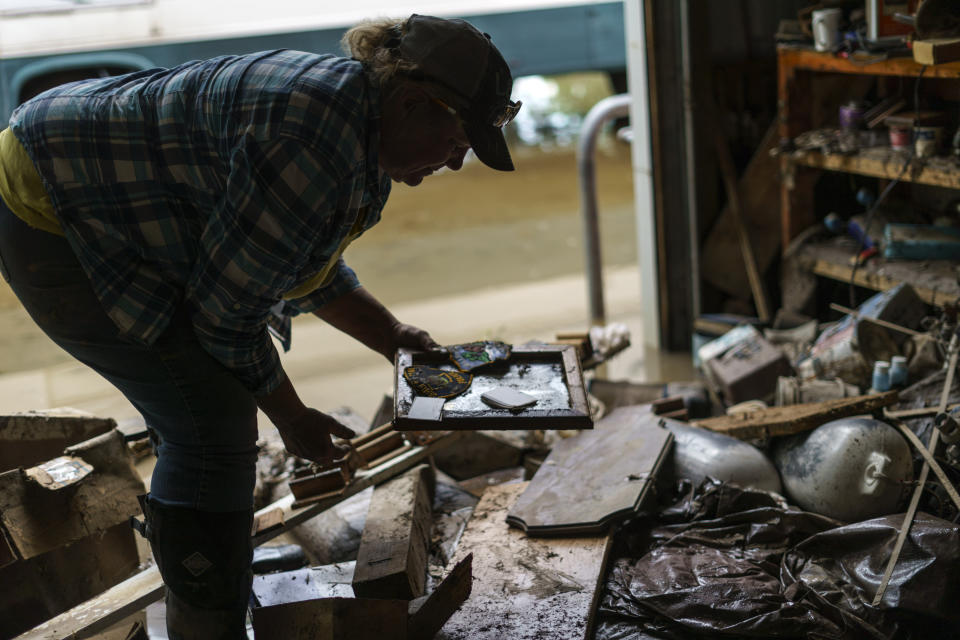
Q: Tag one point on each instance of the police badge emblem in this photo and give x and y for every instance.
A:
(470, 355)
(435, 382)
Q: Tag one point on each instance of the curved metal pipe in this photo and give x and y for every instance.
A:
(607, 109)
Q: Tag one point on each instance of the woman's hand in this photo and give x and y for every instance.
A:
(305, 432)
(308, 436)
(411, 337)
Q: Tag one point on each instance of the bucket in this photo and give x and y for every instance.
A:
(899, 138)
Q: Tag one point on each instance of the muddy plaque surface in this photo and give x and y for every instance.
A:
(524, 588)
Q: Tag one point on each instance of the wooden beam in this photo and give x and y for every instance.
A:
(392, 558)
(782, 421)
(906, 414)
(146, 587)
(729, 173)
(930, 460)
(881, 323)
(759, 189)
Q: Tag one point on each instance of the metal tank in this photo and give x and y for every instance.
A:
(698, 453)
(850, 469)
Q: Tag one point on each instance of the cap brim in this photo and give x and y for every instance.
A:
(489, 145)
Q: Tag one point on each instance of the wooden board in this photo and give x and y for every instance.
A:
(7, 555)
(37, 520)
(100, 613)
(595, 478)
(332, 619)
(801, 58)
(551, 373)
(722, 262)
(429, 613)
(342, 616)
(525, 588)
(29, 438)
(35, 590)
(146, 587)
(782, 421)
(392, 558)
(935, 283)
(881, 162)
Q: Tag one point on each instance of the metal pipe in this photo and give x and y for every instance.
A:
(607, 109)
(690, 157)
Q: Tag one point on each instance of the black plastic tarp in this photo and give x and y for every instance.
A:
(725, 562)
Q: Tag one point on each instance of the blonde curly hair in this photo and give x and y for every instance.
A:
(375, 43)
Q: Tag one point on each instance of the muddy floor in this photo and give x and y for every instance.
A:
(454, 233)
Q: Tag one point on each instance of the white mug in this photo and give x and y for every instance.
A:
(826, 29)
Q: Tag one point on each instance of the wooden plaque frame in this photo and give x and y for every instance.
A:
(466, 412)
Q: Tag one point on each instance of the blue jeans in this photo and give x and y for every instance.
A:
(202, 419)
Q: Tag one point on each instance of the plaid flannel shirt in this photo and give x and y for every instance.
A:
(217, 185)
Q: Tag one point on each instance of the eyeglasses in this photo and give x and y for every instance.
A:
(499, 117)
(503, 117)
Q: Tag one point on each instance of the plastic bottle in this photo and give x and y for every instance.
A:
(898, 371)
(881, 376)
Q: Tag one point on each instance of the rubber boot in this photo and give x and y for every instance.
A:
(204, 559)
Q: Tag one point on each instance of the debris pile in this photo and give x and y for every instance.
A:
(792, 491)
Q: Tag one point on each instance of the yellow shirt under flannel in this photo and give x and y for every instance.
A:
(21, 187)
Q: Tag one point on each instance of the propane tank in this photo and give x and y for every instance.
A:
(698, 453)
(850, 469)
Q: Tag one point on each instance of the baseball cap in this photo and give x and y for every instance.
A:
(454, 54)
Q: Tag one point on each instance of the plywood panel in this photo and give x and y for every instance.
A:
(595, 478)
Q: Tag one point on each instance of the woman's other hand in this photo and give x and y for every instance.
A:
(309, 434)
